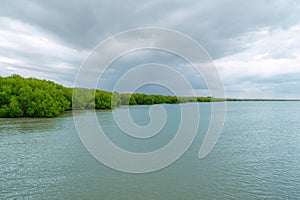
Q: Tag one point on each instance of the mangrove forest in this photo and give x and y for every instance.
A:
(31, 97)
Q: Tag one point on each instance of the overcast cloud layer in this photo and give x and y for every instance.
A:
(255, 45)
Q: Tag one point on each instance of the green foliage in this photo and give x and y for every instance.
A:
(83, 98)
(143, 99)
(95, 99)
(103, 100)
(20, 97)
(116, 100)
(125, 99)
(204, 99)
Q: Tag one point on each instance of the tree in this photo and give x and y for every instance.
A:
(31, 97)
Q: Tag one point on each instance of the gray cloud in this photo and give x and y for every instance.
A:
(217, 25)
(225, 28)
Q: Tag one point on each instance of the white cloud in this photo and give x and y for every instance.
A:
(256, 46)
(32, 52)
(272, 54)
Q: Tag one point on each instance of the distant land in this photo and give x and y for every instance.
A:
(31, 97)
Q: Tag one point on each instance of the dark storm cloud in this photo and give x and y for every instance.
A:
(50, 39)
(137, 58)
(215, 24)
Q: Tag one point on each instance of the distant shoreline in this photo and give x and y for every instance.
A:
(229, 99)
(31, 97)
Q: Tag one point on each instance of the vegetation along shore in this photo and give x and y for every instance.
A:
(31, 97)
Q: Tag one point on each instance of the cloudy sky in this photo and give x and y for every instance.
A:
(255, 46)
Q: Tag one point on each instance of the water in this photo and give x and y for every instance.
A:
(257, 157)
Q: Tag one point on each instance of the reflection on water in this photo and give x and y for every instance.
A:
(10, 126)
(257, 157)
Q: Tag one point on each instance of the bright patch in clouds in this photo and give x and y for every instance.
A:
(255, 46)
(271, 61)
(33, 52)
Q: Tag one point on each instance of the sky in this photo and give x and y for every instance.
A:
(254, 45)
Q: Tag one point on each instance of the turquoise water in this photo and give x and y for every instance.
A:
(257, 157)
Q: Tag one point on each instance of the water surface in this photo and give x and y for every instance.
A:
(257, 157)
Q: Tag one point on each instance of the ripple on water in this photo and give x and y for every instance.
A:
(257, 157)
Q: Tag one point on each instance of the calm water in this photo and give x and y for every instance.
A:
(257, 157)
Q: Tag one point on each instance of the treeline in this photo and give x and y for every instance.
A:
(98, 99)
(31, 97)
(20, 97)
